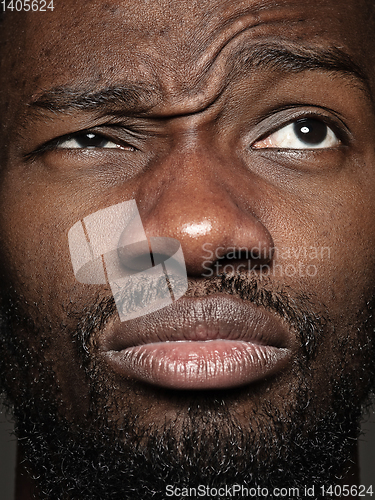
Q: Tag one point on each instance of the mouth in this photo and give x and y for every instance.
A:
(215, 342)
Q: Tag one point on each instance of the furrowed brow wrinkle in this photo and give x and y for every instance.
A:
(140, 98)
(134, 98)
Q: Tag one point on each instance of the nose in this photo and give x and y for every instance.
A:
(195, 198)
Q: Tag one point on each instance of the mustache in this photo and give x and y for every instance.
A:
(296, 309)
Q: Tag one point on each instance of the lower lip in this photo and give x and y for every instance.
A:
(210, 364)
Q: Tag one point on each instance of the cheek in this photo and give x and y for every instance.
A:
(337, 223)
(351, 267)
(34, 246)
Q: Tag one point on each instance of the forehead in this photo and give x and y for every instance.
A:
(169, 44)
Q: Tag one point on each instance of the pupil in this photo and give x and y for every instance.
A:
(91, 140)
(311, 131)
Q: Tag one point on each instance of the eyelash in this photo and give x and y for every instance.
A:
(54, 143)
(95, 135)
(309, 133)
(333, 123)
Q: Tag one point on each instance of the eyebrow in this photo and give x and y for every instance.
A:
(292, 58)
(139, 98)
(134, 98)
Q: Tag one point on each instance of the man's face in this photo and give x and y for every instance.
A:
(235, 126)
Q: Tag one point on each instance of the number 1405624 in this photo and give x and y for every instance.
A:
(347, 491)
(27, 5)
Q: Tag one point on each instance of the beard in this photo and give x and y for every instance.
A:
(298, 432)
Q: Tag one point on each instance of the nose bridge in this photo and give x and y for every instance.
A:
(197, 202)
(191, 193)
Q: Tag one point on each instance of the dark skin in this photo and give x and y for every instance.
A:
(193, 154)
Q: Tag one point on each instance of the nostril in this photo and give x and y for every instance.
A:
(135, 257)
(142, 255)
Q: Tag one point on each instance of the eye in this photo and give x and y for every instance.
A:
(307, 133)
(86, 140)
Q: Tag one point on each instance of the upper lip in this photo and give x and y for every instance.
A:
(200, 319)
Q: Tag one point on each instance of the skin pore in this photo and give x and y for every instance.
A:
(186, 101)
